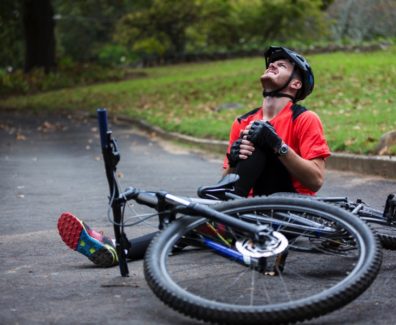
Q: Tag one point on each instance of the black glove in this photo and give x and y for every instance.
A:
(263, 135)
(233, 156)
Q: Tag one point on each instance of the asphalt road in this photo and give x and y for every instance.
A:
(52, 164)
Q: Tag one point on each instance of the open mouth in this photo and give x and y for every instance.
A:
(268, 73)
(271, 71)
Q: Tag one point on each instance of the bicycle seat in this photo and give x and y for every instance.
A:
(220, 190)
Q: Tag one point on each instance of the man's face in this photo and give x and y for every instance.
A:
(277, 74)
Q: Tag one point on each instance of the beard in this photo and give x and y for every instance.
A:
(268, 82)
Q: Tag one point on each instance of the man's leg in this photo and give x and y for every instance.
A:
(78, 236)
(249, 171)
(138, 246)
(274, 178)
(98, 248)
(264, 173)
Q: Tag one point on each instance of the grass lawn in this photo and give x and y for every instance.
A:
(354, 95)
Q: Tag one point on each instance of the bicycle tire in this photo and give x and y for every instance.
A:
(185, 283)
(386, 231)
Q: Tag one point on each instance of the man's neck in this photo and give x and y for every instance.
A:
(273, 105)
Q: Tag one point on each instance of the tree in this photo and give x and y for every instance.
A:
(39, 34)
(84, 27)
(363, 19)
(285, 20)
(160, 28)
(220, 24)
(11, 34)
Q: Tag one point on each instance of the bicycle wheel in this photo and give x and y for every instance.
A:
(324, 270)
(386, 230)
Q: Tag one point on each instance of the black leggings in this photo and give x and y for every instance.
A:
(264, 173)
(139, 246)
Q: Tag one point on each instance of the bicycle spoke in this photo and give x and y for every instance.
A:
(235, 275)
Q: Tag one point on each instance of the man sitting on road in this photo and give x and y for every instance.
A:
(279, 147)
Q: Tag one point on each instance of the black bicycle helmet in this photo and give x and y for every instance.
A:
(276, 53)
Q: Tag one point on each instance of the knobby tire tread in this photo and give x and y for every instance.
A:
(326, 302)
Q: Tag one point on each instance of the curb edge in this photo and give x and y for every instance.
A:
(384, 166)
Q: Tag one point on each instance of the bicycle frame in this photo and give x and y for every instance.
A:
(169, 205)
(161, 201)
(363, 211)
(258, 233)
(224, 190)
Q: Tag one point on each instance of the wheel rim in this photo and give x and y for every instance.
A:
(201, 274)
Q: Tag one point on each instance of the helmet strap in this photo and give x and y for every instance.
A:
(277, 92)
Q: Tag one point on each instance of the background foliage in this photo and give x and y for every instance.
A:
(102, 41)
(353, 95)
(126, 32)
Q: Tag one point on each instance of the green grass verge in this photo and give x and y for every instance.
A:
(354, 96)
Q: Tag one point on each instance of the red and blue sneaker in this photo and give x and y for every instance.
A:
(78, 236)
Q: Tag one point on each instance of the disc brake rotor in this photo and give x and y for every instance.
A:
(276, 245)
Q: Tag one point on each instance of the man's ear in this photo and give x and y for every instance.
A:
(296, 84)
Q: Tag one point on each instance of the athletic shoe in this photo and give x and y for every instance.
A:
(78, 236)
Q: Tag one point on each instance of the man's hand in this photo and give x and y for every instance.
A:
(263, 134)
(233, 156)
(241, 149)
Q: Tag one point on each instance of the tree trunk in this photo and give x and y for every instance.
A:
(39, 35)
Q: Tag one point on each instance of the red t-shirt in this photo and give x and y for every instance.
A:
(299, 128)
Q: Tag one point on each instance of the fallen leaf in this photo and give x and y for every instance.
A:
(51, 127)
(46, 127)
(20, 137)
(349, 142)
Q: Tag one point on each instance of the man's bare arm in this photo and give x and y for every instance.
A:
(309, 173)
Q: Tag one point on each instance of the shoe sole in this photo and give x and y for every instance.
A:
(74, 235)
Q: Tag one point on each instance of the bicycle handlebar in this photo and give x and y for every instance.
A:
(103, 128)
(111, 157)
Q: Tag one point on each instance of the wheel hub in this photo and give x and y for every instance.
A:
(276, 244)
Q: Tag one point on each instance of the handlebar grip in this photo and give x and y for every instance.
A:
(103, 128)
